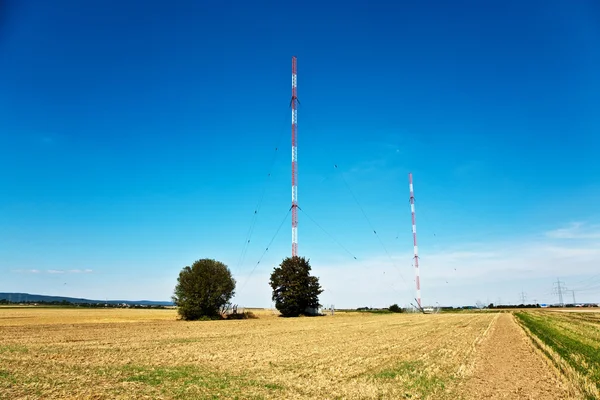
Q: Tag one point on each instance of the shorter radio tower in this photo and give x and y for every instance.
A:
(416, 248)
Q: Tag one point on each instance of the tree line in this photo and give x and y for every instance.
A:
(65, 303)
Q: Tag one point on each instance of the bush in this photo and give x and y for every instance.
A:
(395, 308)
(244, 315)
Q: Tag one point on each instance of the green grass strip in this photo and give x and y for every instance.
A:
(571, 345)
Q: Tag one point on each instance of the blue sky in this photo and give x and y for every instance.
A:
(138, 136)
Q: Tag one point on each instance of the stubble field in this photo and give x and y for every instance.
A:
(121, 353)
(572, 341)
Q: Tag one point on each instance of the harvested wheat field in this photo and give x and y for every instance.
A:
(507, 366)
(120, 353)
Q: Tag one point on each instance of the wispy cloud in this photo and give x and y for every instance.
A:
(456, 275)
(576, 230)
(52, 271)
(26, 271)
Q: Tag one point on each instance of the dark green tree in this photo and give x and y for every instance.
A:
(395, 308)
(295, 292)
(203, 289)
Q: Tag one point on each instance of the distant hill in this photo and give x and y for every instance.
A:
(32, 298)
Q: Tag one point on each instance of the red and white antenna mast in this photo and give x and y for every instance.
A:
(294, 104)
(414, 230)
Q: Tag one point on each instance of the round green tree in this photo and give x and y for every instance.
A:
(203, 289)
(295, 291)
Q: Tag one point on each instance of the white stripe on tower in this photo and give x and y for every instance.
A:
(294, 162)
(414, 230)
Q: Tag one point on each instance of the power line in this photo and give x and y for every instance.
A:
(328, 234)
(593, 289)
(259, 204)
(251, 228)
(266, 250)
(344, 247)
(371, 225)
(587, 280)
(593, 281)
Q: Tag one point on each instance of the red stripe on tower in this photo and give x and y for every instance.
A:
(294, 161)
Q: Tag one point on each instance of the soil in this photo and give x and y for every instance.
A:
(508, 366)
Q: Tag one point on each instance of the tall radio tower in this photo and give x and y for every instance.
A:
(414, 230)
(294, 104)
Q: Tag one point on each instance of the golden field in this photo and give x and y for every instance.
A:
(125, 353)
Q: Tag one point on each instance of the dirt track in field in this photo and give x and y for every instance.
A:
(507, 366)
